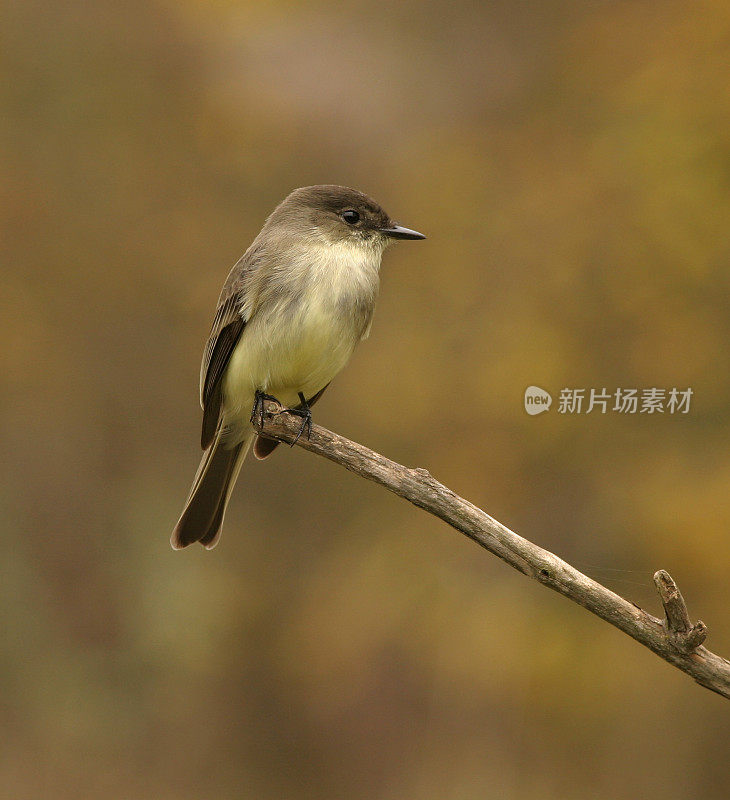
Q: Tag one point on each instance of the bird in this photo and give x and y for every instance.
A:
(289, 316)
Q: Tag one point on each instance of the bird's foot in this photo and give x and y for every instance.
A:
(304, 411)
(258, 406)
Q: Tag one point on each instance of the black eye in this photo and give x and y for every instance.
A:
(350, 217)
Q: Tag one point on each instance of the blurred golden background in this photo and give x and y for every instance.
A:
(570, 164)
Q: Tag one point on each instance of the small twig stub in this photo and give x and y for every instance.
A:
(680, 630)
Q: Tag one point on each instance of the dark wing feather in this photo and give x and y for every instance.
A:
(227, 328)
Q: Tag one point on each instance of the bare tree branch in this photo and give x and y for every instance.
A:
(675, 639)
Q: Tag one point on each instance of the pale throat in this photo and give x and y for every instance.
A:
(344, 266)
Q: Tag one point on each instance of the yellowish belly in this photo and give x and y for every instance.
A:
(283, 355)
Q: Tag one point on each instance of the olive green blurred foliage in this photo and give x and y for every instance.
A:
(570, 164)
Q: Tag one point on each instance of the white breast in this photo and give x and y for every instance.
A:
(305, 333)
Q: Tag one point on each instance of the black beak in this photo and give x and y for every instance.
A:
(399, 232)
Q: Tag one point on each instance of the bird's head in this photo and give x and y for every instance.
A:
(339, 215)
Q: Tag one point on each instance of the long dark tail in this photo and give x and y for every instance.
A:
(202, 517)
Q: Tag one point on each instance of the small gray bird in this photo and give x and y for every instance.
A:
(289, 316)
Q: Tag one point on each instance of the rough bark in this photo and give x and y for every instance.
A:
(675, 638)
